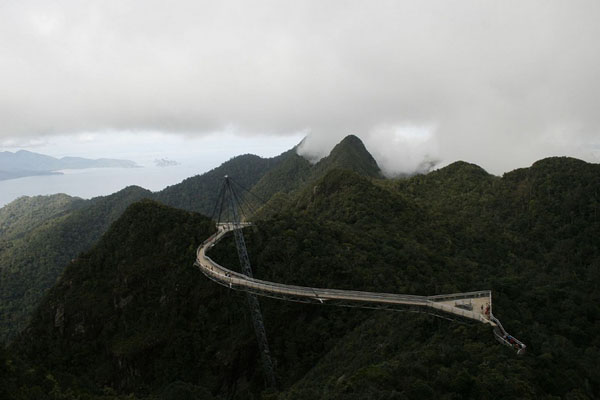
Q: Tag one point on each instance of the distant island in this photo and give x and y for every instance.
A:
(165, 162)
(26, 163)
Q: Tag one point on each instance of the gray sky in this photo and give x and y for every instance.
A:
(498, 83)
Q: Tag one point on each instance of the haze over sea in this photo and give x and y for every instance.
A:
(194, 155)
(92, 182)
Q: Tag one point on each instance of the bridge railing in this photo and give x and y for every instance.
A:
(460, 296)
(235, 278)
(459, 311)
(309, 291)
(231, 278)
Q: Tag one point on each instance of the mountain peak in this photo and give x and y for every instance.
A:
(350, 142)
(351, 154)
(351, 139)
(463, 167)
(559, 163)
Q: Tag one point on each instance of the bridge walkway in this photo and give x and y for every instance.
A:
(470, 305)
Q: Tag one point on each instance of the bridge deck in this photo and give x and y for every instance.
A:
(469, 305)
(472, 305)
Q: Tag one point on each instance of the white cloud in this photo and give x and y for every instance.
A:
(496, 79)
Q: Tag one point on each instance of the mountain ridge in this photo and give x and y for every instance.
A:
(296, 171)
(278, 178)
(351, 232)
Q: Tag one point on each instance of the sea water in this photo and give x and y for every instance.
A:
(92, 182)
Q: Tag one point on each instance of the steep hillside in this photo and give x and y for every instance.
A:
(26, 213)
(31, 262)
(39, 236)
(350, 154)
(130, 306)
(199, 193)
(289, 175)
(133, 315)
(45, 233)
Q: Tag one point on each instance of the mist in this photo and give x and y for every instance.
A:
(500, 84)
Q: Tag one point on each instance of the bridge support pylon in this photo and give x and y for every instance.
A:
(253, 304)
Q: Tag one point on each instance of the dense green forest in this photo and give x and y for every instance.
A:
(133, 317)
(32, 260)
(199, 193)
(26, 213)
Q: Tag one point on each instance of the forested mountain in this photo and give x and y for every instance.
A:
(199, 193)
(26, 213)
(350, 154)
(30, 264)
(47, 239)
(295, 171)
(55, 230)
(133, 316)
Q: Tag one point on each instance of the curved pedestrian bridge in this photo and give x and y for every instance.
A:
(470, 305)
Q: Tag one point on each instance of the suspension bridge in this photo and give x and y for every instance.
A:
(475, 306)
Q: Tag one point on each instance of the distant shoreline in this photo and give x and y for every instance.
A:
(7, 175)
(17, 174)
(93, 182)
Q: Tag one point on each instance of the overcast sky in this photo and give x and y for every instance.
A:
(497, 83)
